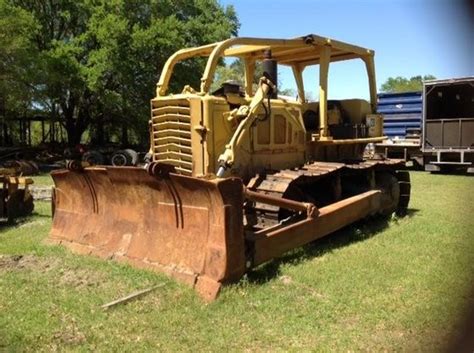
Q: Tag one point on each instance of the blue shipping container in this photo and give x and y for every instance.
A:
(401, 111)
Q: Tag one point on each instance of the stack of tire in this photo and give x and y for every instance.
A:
(125, 157)
(120, 158)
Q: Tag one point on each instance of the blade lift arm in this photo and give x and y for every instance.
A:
(246, 115)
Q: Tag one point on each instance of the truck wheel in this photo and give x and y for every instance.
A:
(124, 157)
(119, 159)
(133, 156)
(93, 157)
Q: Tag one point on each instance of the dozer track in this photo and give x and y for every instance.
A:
(322, 183)
(341, 193)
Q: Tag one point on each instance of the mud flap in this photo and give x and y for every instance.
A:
(189, 228)
(403, 177)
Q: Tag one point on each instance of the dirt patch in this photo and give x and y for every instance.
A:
(66, 276)
(27, 262)
(19, 262)
(32, 224)
(288, 281)
(68, 334)
(80, 278)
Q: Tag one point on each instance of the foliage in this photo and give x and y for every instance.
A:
(402, 84)
(99, 61)
(16, 59)
(235, 71)
(225, 73)
(374, 286)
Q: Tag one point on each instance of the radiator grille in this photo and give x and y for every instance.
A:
(171, 134)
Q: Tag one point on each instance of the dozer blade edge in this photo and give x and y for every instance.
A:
(186, 227)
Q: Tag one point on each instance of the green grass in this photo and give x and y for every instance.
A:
(397, 285)
(42, 180)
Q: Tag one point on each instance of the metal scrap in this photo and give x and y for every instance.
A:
(131, 296)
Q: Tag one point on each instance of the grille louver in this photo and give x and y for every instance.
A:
(171, 134)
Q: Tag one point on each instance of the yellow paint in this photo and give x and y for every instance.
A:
(197, 132)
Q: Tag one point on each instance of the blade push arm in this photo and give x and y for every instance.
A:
(247, 115)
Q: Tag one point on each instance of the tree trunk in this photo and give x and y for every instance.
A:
(124, 134)
(100, 131)
(76, 121)
(73, 136)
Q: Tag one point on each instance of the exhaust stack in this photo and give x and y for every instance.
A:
(270, 71)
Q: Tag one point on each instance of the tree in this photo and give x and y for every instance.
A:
(16, 61)
(235, 71)
(100, 60)
(402, 84)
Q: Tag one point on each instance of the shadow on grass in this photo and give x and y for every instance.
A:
(6, 223)
(353, 233)
(39, 215)
(410, 213)
(452, 172)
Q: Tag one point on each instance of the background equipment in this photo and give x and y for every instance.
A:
(448, 124)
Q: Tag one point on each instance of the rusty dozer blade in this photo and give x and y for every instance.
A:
(189, 228)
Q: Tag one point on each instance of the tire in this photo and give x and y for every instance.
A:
(93, 157)
(68, 153)
(133, 156)
(71, 153)
(124, 158)
(119, 159)
(19, 204)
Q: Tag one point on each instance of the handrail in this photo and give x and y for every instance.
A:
(216, 50)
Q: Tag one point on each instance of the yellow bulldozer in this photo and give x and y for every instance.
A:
(16, 198)
(238, 175)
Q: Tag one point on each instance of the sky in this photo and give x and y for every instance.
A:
(410, 37)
